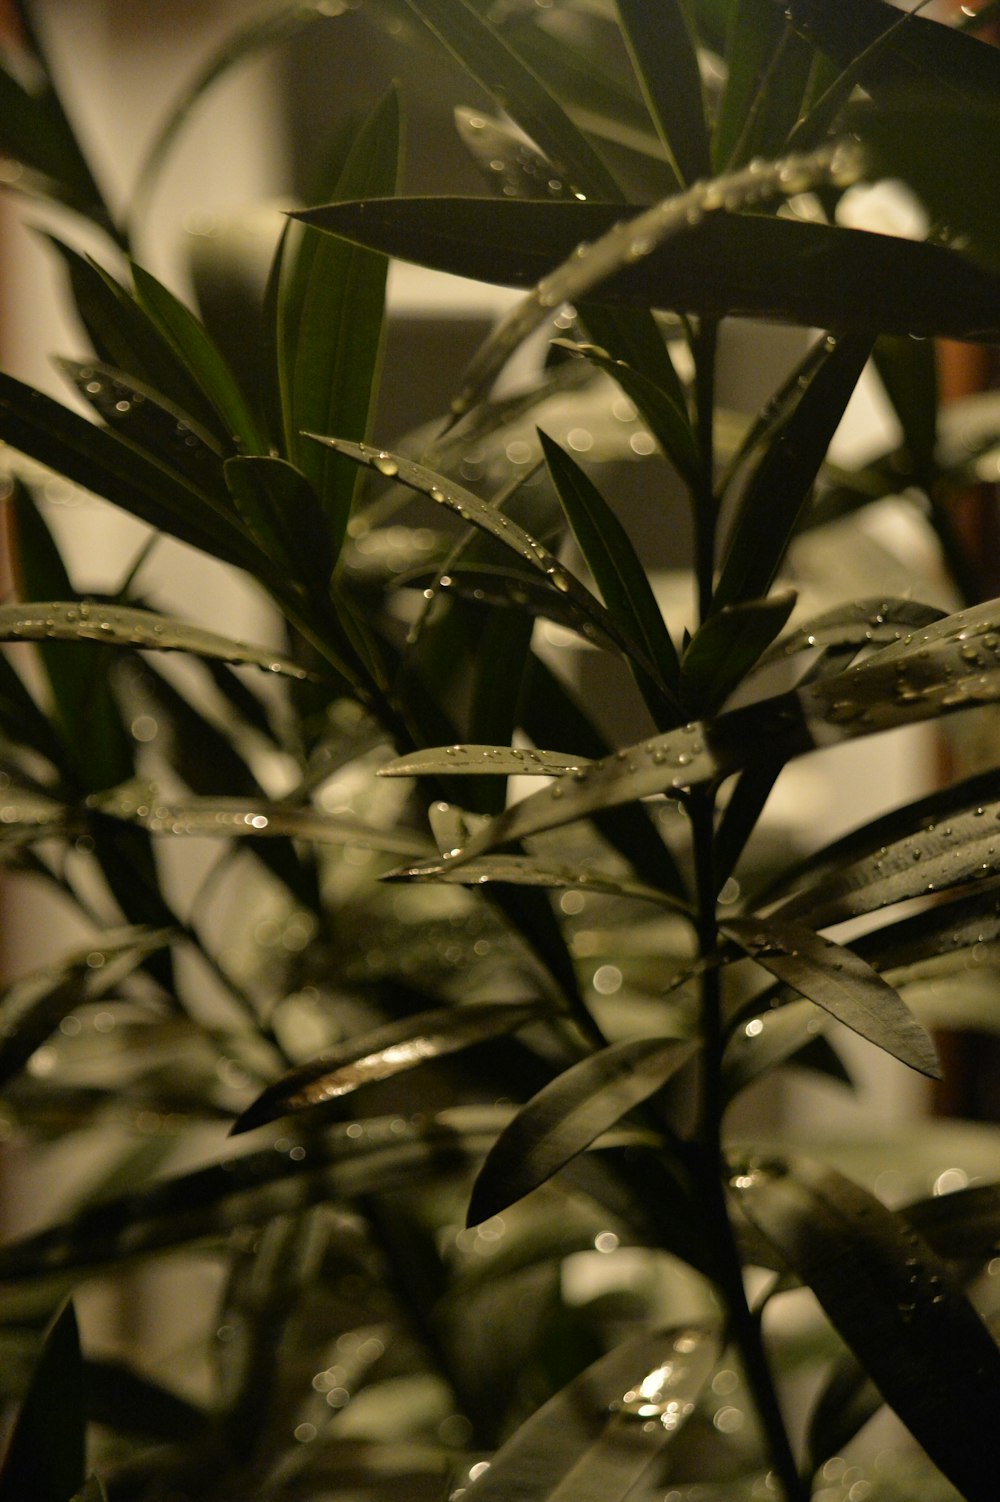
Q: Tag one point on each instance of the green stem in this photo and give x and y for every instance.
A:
(705, 505)
(710, 1164)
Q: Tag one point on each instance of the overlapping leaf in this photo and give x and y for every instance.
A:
(896, 1305)
(566, 1116)
(385, 1052)
(45, 1454)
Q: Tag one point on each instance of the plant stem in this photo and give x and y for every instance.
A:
(711, 1168)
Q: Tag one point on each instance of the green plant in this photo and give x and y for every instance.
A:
(449, 1038)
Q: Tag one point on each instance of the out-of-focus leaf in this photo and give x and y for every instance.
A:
(150, 421)
(501, 665)
(620, 576)
(126, 338)
(768, 1040)
(726, 646)
(778, 488)
(36, 132)
(22, 721)
(385, 1052)
(964, 1224)
(895, 1304)
(594, 1440)
(45, 1456)
(94, 1490)
(663, 55)
(666, 418)
(128, 626)
(105, 464)
(282, 511)
(248, 818)
(846, 1401)
(908, 371)
(566, 1116)
(838, 980)
(195, 347)
(130, 1402)
(767, 73)
(33, 1007)
(752, 265)
(938, 61)
(331, 305)
(207, 1204)
(519, 91)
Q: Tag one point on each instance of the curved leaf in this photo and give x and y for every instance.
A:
(570, 1113)
(524, 870)
(725, 647)
(855, 623)
(895, 1304)
(837, 979)
(385, 1052)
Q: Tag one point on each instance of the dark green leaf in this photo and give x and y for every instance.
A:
(778, 489)
(500, 667)
(127, 626)
(530, 871)
(838, 980)
(725, 648)
(94, 1490)
(663, 411)
(856, 623)
(767, 1040)
(895, 1304)
(129, 1402)
(35, 131)
(615, 565)
(331, 305)
(846, 1401)
(282, 511)
(45, 1456)
(383, 1053)
(934, 60)
(589, 1443)
(663, 55)
(750, 264)
(963, 1225)
(566, 1116)
(767, 73)
(518, 91)
(198, 352)
(908, 371)
(113, 468)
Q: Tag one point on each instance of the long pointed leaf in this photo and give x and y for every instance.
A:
(663, 55)
(45, 1457)
(566, 1116)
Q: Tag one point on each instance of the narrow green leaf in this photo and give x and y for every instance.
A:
(462, 760)
(248, 818)
(662, 49)
(925, 56)
(33, 1007)
(127, 626)
(282, 511)
(615, 565)
(529, 871)
(501, 663)
(383, 1053)
(513, 588)
(725, 647)
(779, 486)
(936, 938)
(767, 73)
(22, 721)
(109, 466)
(45, 1456)
(767, 1040)
(36, 132)
(126, 338)
(907, 369)
(518, 91)
(964, 1224)
(566, 1116)
(751, 265)
(895, 1304)
(588, 1443)
(855, 623)
(839, 981)
(331, 308)
(846, 1401)
(200, 355)
(209, 1203)
(664, 412)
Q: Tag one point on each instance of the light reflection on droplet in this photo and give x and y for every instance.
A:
(607, 980)
(642, 443)
(950, 1180)
(605, 1241)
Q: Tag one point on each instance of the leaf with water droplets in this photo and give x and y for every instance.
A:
(897, 1306)
(509, 162)
(489, 519)
(531, 871)
(620, 576)
(963, 1224)
(595, 1439)
(34, 1006)
(249, 818)
(515, 589)
(779, 486)
(507, 760)
(767, 1040)
(128, 626)
(841, 982)
(725, 647)
(44, 1460)
(385, 1052)
(855, 623)
(570, 1113)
